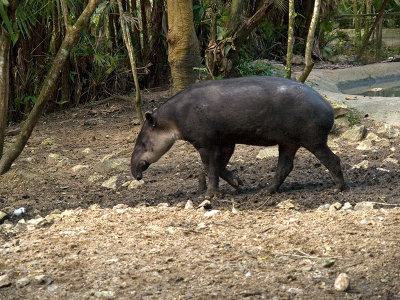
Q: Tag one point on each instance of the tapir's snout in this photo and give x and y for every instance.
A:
(138, 171)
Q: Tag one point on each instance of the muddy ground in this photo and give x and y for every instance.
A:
(142, 244)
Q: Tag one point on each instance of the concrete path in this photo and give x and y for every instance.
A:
(382, 109)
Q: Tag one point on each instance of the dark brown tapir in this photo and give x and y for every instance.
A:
(216, 115)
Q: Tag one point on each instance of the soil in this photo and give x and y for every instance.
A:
(143, 244)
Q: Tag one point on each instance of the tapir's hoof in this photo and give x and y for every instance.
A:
(341, 188)
(212, 195)
(272, 190)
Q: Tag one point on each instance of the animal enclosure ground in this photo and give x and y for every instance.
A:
(142, 244)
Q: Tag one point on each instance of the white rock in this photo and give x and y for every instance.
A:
(2, 215)
(111, 183)
(95, 177)
(189, 205)
(365, 145)
(342, 282)
(365, 205)
(19, 211)
(134, 184)
(268, 152)
(79, 167)
(22, 282)
(389, 131)
(362, 165)
(355, 134)
(211, 213)
(347, 206)
(4, 281)
(105, 294)
(391, 160)
(86, 150)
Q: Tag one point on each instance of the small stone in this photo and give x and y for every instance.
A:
(134, 184)
(95, 177)
(94, 207)
(56, 212)
(328, 262)
(206, 204)
(189, 204)
(19, 211)
(105, 294)
(390, 160)
(111, 183)
(163, 205)
(22, 282)
(120, 206)
(389, 131)
(288, 204)
(335, 206)
(43, 279)
(364, 145)
(342, 282)
(4, 281)
(355, 134)
(362, 165)
(367, 221)
(48, 141)
(347, 206)
(201, 225)
(211, 213)
(3, 216)
(86, 150)
(79, 168)
(365, 205)
(339, 110)
(57, 158)
(37, 222)
(268, 152)
(135, 122)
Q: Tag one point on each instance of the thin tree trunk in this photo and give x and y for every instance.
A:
(157, 58)
(135, 32)
(366, 40)
(184, 52)
(5, 42)
(143, 5)
(290, 44)
(48, 87)
(309, 44)
(128, 44)
(236, 11)
(356, 21)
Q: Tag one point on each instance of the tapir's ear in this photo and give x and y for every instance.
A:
(150, 119)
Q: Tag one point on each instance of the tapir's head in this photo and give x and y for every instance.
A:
(154, 140)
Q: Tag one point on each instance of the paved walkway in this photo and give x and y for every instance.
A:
(383, 109)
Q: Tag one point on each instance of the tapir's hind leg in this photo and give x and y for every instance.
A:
(229, 176)
(285, 166)
(331, 162)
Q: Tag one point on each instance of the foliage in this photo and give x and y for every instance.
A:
(248, 67)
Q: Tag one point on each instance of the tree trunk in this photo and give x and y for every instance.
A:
(128, 44)
(48, 87)
(5, 42)
(366, 40)
(290, 44)
(309, 44)
(236, 11)
(184, 52)
(356, 21)
(144, 4)
(157, 58)
(135, 31)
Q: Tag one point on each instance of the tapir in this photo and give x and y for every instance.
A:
(216, 115)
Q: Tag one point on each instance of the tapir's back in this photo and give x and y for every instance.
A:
(252, 110)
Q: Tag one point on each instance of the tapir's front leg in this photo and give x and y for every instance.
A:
(209, 157)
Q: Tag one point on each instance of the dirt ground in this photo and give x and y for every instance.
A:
(142, 244)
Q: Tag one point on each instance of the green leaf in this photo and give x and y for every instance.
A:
(3, 14)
